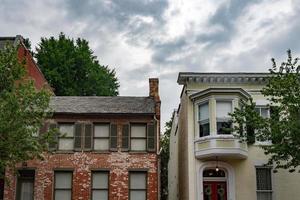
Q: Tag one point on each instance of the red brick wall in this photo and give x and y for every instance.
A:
(118, 163)
(32, 69)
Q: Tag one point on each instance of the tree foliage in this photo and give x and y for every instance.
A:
(23, 110)
(72, 69)
(282, 128)
(164, 159)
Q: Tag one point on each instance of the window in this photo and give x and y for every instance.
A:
(224, 123)
(66, 138)
(101, 137)
(203, 120)
(100, 185)
(263, 111)
(25, 185)
(1, 188)
(138, 137)
(138, 185)
(63, 185)
(263, 183)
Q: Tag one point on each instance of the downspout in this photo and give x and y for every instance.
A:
(158, 151)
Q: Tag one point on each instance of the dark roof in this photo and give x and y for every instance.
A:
(102, 105)
(11, 40)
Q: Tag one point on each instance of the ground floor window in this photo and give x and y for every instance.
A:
(25, 185)
(263, 183)
(100, 183)
(138, 185)
(63, 185)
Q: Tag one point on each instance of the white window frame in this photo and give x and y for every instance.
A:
(264, 191)
(223, 119)
(206, 121)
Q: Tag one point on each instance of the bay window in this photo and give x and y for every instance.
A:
(224, 123)
(203, 120)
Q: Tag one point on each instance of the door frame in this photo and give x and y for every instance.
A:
(230, 178)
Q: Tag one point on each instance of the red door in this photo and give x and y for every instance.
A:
(213, 190)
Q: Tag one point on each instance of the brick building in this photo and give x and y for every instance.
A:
(109, 150)
(32, 71)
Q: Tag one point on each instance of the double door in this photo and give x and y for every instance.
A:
(214, 190)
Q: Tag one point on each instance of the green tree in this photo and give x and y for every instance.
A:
(23, 110)
(72, 70)
(282, 129)
(164, 159)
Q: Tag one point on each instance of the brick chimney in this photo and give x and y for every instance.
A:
(154, 92)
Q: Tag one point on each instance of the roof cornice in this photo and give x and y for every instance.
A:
(193, 77)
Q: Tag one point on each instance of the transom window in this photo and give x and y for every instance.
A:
(100, 185)
(263, 183)
(224, 123)
(203, 120)
(138, 185)
(213, 173)
(63, 185)
(66, 138)
(138, 137)
(101, 137)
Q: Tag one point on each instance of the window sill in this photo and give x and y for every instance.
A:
(209, 137)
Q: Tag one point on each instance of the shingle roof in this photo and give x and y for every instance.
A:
(102, 105)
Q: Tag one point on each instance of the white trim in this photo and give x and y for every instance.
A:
(230, 183)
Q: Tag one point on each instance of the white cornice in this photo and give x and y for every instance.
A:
(191, 77)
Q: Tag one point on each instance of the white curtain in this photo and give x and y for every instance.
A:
(27, 190)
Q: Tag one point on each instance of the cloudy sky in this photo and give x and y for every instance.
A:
(159, 38)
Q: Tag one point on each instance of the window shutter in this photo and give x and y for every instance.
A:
(151, 133)
(88, 137)
(44, 128)
(54, 140)
(113, 137)
(125, 137)
(78, 136)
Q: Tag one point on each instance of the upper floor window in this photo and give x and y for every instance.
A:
(203, 120)
(138, 137)
(66, 138)
(101, 137)
(263, 111)
(224, 123)
(263, 183)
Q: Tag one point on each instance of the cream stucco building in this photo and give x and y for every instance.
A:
(206, 161)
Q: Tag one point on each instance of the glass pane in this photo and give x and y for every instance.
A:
(213, 173)
(264, 112)
(100, 195)
(224, 127)
(67, 130)
(63, 195)
(207, 191)
(138, 195)
(204, 129)
(26, 190)
(137, 180)
(221, 191)
(101, 130)
(138, 131)
(138, 144)
(63, 180)
(223, 108)
(203, 112)
(263, 179)
(65, 144)
(264, 195)
(101, 144)
(100, 180)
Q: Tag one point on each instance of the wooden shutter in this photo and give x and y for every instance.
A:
(54, 140)
(78, 136)
(125, 137)
(88, 136)
(151, 136)
(113, 137)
